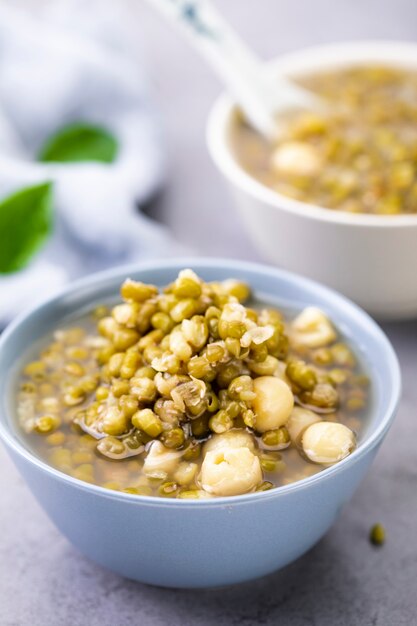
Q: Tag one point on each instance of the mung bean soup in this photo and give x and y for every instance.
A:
(189, 393)
(359, 156)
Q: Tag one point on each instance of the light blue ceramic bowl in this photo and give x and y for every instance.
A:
(183, 543)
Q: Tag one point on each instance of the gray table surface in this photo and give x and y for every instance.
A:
(343, 580)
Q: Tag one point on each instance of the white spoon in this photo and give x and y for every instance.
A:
(260, 97)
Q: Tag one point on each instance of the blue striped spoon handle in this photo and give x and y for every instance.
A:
(260, 96)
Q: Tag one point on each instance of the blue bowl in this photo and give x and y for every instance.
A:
(183, 543)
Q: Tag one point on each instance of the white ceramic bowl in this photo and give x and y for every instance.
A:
(371, 259)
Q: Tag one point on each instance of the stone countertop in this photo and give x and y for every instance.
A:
(343, 581)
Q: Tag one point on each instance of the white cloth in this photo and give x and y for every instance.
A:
(74, 62)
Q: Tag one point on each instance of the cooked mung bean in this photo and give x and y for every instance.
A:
(377, 535)
(188, 393)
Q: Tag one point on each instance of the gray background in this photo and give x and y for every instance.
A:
(343, 580)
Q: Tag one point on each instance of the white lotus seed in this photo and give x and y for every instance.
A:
(230, 471)
(295, 158)
(273, 403)
(160, 461)
(327, 442)
(311, 328)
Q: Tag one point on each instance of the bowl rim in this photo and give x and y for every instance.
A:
(200, 263)
(401, 53)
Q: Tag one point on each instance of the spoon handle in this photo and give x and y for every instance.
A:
(235, 64)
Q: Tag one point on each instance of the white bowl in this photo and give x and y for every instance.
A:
(371, 259)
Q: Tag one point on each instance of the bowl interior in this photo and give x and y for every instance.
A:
(281, 288)
(316, 59)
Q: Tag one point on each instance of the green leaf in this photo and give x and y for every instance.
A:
(25, 224)
(80, 142)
